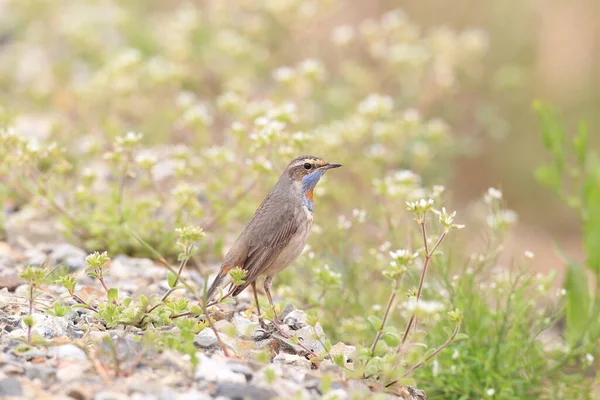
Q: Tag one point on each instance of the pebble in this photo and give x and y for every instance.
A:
(296, 319)
(206, 339)
(243, 391)
(214, 370)
(10, 387)
(110, 396)
(68, 351)
(245, 328)
(292, 359)
(70, 373)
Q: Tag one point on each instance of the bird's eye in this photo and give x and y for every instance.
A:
(307, 165)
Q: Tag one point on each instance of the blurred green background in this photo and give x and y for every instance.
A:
(537, 49)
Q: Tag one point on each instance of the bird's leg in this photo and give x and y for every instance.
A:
(260, 320)
(274, 320)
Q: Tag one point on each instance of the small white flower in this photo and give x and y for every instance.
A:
(529, 254)
(492, 195)
(561, 292)
(490, 392)
(343, 223)
(589, 358)
(342, 35)
(284, 74)
(360, 215)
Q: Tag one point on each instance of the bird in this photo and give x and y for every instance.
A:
(278, 231)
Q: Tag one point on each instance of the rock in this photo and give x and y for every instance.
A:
(242, 369)
(283, 380)
(193, 395)
(48, 326)
(292, 359)
(70, 373)
(243, 391)
(343, 350)
(70, 255)
(110, 396)
(286, 310)
(38, 371)
(225, 327)
(214, 370)
(296, 319)
(10, 280)
(306, 336)
(338, 394)
(10, 322)
(68, 351)
(245, 328)
(10, 387)
(206, 339)
(31, 226)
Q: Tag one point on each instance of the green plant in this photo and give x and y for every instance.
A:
(34, 276)
(573, 174)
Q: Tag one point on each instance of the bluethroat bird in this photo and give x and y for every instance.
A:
(277, 232)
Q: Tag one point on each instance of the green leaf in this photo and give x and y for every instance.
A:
(171, 278)
(580, 145)
(113, 295)
(549, 177)
(591, 216)
(28, 320)
(374, 321)
(391, 339)
(553, 134)
(578, 302)
(461, 336)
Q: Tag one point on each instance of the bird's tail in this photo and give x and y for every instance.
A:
(216, 284)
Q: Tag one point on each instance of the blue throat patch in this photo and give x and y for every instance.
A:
(308, 184)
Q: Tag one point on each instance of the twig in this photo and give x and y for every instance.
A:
(436, 352)
(386, 315)
(428, 256)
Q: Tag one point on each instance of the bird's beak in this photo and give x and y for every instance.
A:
(330, 166)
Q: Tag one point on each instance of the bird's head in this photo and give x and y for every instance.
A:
(306, 172)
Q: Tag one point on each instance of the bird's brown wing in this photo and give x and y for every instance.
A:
(269, 237)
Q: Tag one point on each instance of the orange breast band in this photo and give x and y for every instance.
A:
(309, 194)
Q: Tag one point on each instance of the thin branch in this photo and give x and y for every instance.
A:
(428, 256)
(386, 315)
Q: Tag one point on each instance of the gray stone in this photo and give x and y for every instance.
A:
(206, 339)
(215, 370)
(245, 328)
(68, 351)
(242, 369)
(292, 359)
(243, 391)
(10, 387)
(10, 322)
(48, 326)
(110, 396)
(38, 371)
(71, 256)
(337, 394)
(286, 310)
(306, 336)
(344, 350)
(287, 381)
(191, 396)
(70, 373)
(296, 319)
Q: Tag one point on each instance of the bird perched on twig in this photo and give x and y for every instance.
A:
(277, 232)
